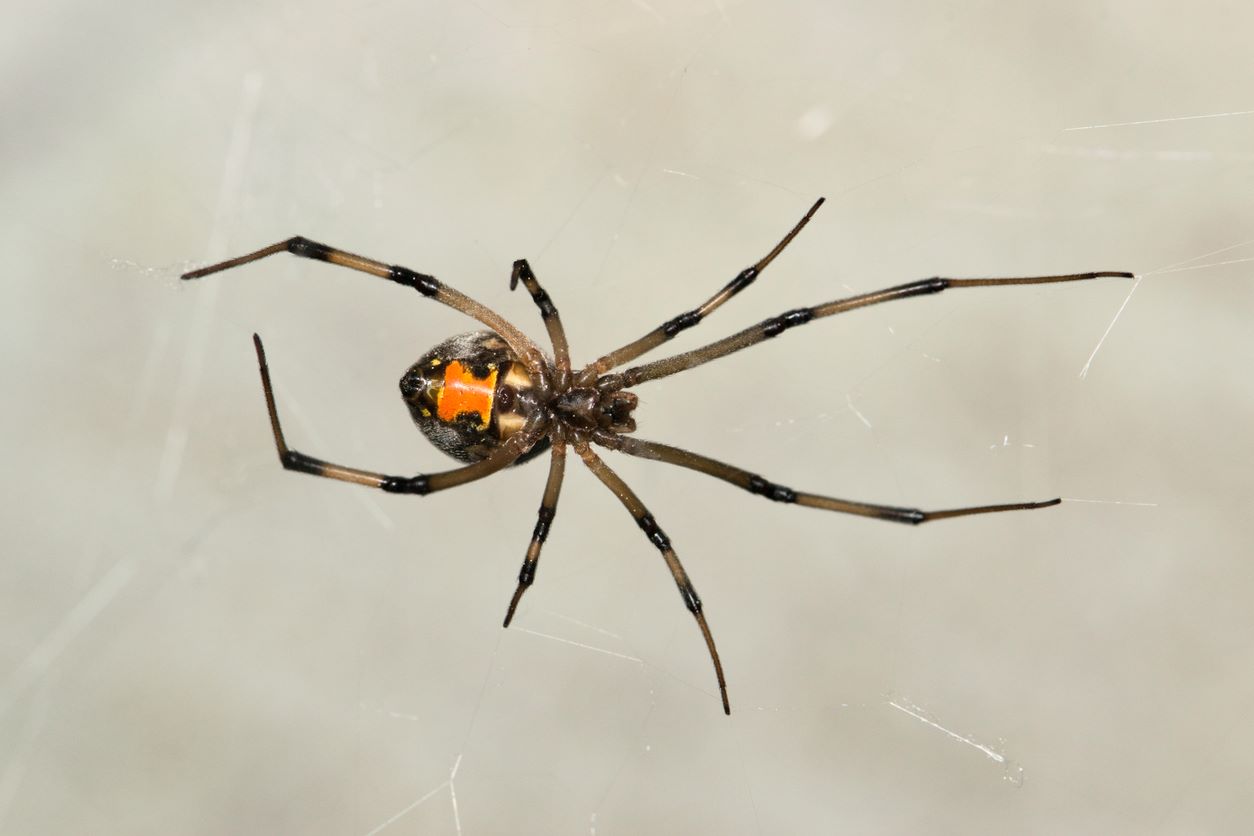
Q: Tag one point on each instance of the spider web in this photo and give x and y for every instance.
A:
(196, 640)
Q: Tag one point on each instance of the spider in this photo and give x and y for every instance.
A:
(492, 399)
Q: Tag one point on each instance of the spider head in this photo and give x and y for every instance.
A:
(616, 409)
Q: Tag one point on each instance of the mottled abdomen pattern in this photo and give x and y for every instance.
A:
(469, 394)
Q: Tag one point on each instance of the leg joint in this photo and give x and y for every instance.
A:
(655, 534)
(421, 282)
(691, 599)
(293, 460)
(681, 323)
(543, 524)
(305, 248)
(419, 484)
(770, 490)
(544, 303)
(527, 574)
(743, 279)
(791, 319)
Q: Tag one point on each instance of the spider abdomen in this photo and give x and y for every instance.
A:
(469, 394)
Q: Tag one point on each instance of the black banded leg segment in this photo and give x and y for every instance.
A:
(659, 539)
(428, 286)
(420, 484)
(667, 330)
(756, 484)
(776, 325)
(548, 312)
(298, 245)
(544, 520)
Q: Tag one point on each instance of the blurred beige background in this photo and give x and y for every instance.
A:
(194, 641)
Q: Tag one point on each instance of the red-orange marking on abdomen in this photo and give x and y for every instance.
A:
(463, 392)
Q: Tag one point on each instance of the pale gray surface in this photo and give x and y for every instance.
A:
(194, 641)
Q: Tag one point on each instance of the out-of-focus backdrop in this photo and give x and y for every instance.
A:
(194, 641)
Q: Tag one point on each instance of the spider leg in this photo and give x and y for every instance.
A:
(422, 483)
(548, 510)
(552, 320)
(656, 536)
(428, 286)
(778, 324)
(755, 484)
(667, 330)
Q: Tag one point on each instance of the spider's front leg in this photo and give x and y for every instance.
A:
(672, 327)
(776, 325)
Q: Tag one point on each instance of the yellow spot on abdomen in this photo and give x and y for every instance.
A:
(463, 392)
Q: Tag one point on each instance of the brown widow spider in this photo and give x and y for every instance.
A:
(492, 399)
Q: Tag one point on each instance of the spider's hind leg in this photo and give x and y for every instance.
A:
(659, 539)
(755, 484)
(421, 484)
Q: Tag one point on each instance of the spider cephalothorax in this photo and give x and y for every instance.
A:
(492, 399)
